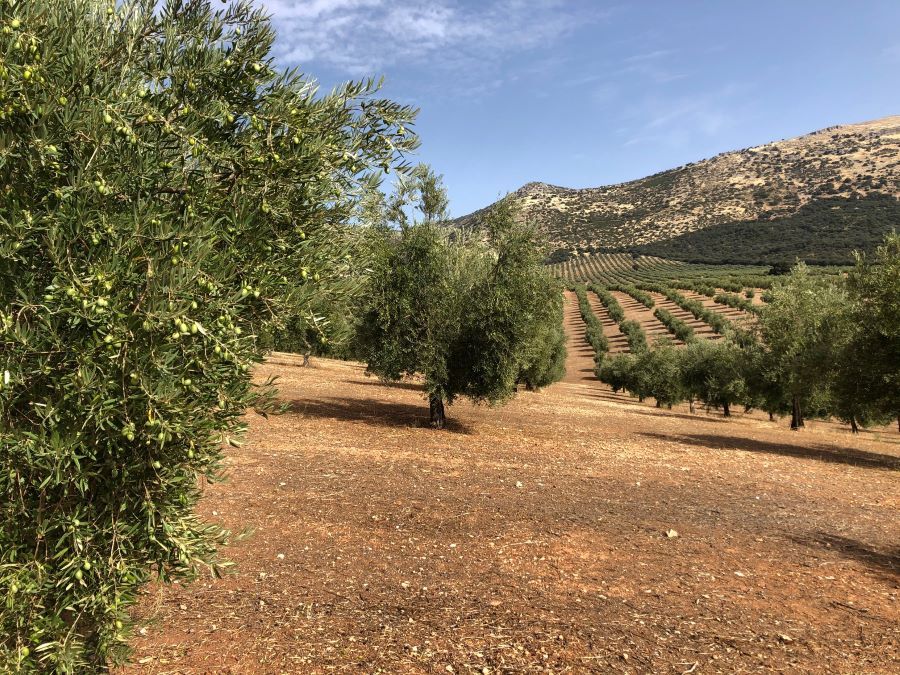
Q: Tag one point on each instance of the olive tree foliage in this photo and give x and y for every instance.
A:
(472, 312)
(866, 357)
(797, 329)
(166, 195)
(714, 372)
(544, 361)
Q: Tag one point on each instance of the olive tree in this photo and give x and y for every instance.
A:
(714, 373)
(466, 310)
(866, 359)
(166, 195)
(798, 329)
(544, 361)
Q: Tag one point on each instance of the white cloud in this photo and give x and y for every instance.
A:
(360, 37)
(681, 120)
(891, 53)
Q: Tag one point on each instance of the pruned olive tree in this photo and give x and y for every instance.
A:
(866, 360)
(714, 373)
(797, 330)
(466, 310)
(166, 194)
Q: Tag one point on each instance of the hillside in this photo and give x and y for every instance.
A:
(836, 171)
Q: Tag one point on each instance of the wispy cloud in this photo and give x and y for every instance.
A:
(359, 37)
(649, 56)
(892, 53)
(677, 121)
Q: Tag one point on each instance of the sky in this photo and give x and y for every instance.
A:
(583, 93)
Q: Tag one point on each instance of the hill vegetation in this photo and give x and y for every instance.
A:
(850, 172)
(825, 231)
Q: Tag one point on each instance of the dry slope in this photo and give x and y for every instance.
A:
(766, 181)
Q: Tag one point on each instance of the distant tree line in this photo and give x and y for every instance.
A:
(823, 347)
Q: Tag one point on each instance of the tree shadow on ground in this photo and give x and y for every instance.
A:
(609, 395)
(409, 386)
(884, 561)
(371, 411)
(823, 453)
(693, 417)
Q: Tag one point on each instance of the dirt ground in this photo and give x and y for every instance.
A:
(572, 530)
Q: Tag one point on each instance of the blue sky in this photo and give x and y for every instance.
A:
(583, 93)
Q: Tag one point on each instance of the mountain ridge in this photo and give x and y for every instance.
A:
(765, 182)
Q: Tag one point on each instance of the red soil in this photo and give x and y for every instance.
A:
(532, 538)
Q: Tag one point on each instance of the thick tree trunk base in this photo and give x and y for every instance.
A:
(726, 410)
(438, 416)
(796, 416)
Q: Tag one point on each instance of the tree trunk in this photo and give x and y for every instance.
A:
(726, 409)
(691, 406)
(853, 427)
(438, 418)
(795, 414)
(771, 416)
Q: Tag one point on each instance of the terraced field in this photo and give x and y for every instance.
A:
(730, 313)
(624, 268)
(701, 328)
(618, 343)
(635, 311)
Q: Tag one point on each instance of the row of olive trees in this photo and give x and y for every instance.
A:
(474, 312)
(712, 318)
(167, 196)
(634, 334)
(737, 302)
(823, 347)
(676, 326)
(593, 329)
(705, 371)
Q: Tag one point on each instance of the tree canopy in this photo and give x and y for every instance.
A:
(473, 312)
(166, 195)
